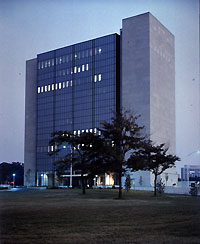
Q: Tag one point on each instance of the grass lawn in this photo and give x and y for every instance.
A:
(66, 216)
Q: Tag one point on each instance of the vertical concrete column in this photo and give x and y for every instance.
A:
(30, 123)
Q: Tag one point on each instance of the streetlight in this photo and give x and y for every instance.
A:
(13, 180)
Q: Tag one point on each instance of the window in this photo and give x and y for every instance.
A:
(83, 67)
(45, 88)
(67, 83)
(45, 64)
(71, 83)
(95, 78)
(49, 88)
(79, 69)
(52, 62)
(41, 88)
(56, 86)
(49, 63)
(99, 77)
(60, 60)
(52, 87)
(75, 69)
(99, 50)
(60, 85)
(91, 130)
(87, 66)
(42, 65)
(52, 148)
(63, 84)
(38, 90)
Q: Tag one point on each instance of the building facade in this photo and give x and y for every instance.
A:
(190, 173)
(76, 87)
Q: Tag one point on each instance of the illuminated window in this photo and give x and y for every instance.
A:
(79, 132)
(49, 63)
(83, 67)
(95, 78)
(49, 87)
(95, 130)
(79, 69)
(52, 87)
(75, 56)
(67, 83)
(52, 148)
(71, 83)
(64, 84)
(82, 131)
(87, 66)
(45, 88)
(74, 132)
(99, 77)
(38, 90)
(71, 71)
(75, 69)
(60, 85)
(52, 62)
(56, 86)
(60, 60)
(41, 88)
(86, 130)
(42, 65)
(45, 64)
(99, 50)
(91, 130)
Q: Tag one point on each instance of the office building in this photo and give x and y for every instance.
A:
(76, 87)
(190, 173)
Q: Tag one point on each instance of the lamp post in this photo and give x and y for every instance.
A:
(13, 180)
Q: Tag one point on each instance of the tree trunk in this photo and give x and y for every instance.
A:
(155, 182)
(83, 183)
(120, 186)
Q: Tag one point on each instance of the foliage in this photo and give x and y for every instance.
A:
(128, 182)
(193, 190)
(8, 169)
(84, 154)
(123, 135)
(154, 158)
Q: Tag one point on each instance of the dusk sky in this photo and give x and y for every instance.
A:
(30, 27)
